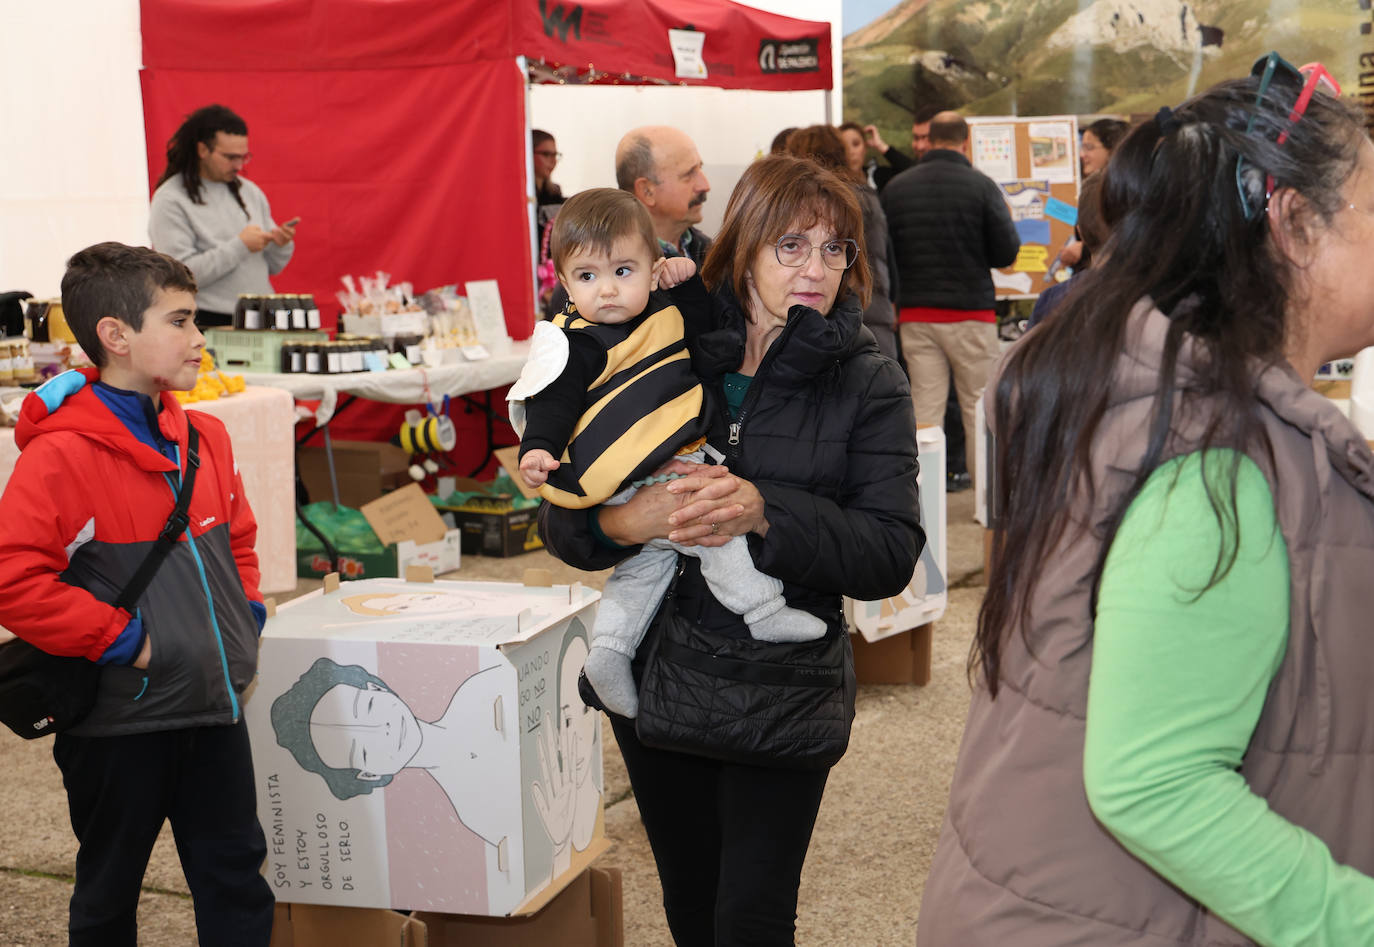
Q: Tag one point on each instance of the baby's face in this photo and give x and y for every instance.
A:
(610, 288)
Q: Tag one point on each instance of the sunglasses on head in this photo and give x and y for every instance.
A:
(1308, 78)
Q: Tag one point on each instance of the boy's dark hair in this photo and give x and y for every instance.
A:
(200, 127)
(595, 219)
(111, 279)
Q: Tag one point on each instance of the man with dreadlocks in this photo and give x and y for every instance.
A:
(217, 222)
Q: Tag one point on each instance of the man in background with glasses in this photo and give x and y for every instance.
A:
(950, 226)
(217, 222)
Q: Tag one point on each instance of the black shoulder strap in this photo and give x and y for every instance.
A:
(175, 526)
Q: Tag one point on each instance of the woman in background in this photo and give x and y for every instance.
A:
(825, 145)
(1094, 152)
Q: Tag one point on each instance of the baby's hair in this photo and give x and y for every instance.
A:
(595, 219)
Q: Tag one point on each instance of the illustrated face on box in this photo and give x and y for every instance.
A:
(409, 603)
(345, 724)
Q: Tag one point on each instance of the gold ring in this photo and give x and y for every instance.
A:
(715, 528)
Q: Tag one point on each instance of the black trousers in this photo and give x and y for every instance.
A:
(119, 792)
(729, 841)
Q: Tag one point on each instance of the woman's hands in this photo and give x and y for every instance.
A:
(717, 508)
(706, 506)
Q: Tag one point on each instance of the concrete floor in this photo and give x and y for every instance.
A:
(868, 860)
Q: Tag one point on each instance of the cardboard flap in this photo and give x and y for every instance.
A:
(509, 457)
(404, 514)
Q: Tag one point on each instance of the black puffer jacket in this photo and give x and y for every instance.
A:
(950, 225)
(826, 434)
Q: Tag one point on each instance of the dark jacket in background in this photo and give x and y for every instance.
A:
(826, 434)
(950, 226)
(897, 162)
(881, 315)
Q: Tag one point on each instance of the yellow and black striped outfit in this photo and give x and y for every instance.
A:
(626, 403)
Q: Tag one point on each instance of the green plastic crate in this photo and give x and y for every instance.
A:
(254, 350)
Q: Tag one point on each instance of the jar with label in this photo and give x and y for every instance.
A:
(6, 363)
(298, 307)
(409, 346)
(313, 360)
(281, 313)
(22, 358)
(247, 312)
(334, 358)
(312, 312)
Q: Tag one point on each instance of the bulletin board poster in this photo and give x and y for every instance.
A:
(1034, 160)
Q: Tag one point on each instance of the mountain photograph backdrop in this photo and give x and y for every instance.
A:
(1081, 57)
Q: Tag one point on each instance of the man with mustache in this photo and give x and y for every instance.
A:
(660, 166)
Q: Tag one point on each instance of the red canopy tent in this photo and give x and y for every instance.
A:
(397, 130)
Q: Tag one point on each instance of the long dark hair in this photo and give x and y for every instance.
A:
(183, 159)
(1181, 237)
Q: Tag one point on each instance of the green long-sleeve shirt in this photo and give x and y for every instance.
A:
(1178, 682)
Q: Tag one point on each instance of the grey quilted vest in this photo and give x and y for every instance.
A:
(1021, 860)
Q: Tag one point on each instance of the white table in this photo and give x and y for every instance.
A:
(261, 426)
(401, 386)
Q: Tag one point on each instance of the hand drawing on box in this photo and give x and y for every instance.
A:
(347, 725)
(568, 799)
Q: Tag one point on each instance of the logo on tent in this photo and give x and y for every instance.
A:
(561, 21)
(802, 55)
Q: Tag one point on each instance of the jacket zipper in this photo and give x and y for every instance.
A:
(736, 426)
(210, 603)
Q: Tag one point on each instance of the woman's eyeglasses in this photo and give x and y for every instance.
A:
(1308, 78)
(550, 154)
(795, 250)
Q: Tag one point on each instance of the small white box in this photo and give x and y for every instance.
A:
(927, 594)
(444, 555)
(423, 746)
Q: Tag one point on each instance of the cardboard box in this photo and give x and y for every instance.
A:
(422, 746)
(439, 557)
(412, 532)
(491, 525)
(255, 350)
(903, 658)
(927, 594)
(365, 470)
(588, 912)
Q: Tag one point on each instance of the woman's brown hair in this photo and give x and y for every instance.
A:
(783, 194)
(823, 145)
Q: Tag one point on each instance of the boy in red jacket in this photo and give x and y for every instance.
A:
(103, 453)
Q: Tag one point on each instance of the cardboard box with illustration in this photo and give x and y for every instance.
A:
(909, 614)
(422, 745)
(381, 540)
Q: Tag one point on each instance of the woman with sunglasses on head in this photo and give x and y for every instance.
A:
(1171, 738)
(819, 473)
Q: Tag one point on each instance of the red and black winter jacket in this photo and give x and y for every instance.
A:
(84, 505)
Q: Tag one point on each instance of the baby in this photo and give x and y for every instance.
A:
(606, 399)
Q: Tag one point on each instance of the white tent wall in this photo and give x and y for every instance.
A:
(73, 169)
(730, 126)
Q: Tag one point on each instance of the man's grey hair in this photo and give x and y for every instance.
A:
(635, 161)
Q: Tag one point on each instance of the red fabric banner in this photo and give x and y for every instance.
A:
(743, 48)
(418, 172)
